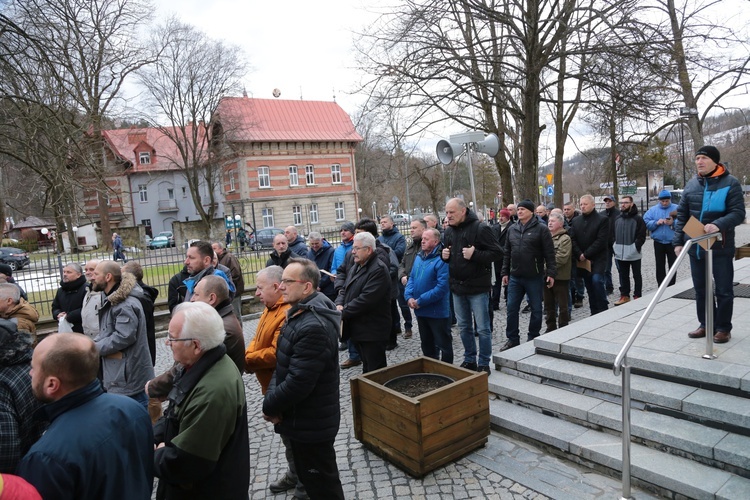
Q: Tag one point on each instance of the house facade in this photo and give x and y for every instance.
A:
(291, 162)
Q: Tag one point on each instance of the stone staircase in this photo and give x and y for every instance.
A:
(690, 417)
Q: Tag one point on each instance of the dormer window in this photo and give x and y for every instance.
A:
(144, 158)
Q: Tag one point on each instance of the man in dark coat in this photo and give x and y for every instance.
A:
(321, 252)
(68, 300)
(416, 228)
(391, 236)
(98, 445)
(364, 302)
(176, 289)
(295, 241)
(202, 445)
(303, 400)
(470, 249)
(590, 235)
(281, 252)
(528, 266)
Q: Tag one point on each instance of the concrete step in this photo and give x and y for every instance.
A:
(669, 472)
(708, 445)
(686, 402)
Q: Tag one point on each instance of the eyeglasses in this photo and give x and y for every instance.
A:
(171, 339)
(290, 281)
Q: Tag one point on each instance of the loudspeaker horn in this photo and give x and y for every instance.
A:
(446, 151)
(489, 146)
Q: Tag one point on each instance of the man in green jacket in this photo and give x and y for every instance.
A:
(202, 448)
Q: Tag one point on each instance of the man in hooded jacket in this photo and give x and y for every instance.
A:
(630, 235)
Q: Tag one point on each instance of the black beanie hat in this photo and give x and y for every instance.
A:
(527, 204)
(711, 152)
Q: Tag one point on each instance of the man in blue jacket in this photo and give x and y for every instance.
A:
(659, 221)
(321, 252)
(98, 445)
(428, 293)
(714, 198)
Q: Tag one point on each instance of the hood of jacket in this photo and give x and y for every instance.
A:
(321, 307)
(633, 210)
(15, 347)
(73, 285)
(149, 291)
(470, 217)
(121, 292)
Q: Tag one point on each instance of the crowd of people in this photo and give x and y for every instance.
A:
(85, 416)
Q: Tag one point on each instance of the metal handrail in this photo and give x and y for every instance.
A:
(621, 366)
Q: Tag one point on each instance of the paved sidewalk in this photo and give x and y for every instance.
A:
(504, 468)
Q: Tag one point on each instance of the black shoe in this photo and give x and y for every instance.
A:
(510, 345)
(469, 366)
(284, 483)
(610, 291)
(526, 309)
(578, 303)
(391, 347)
(484, 368)
(343, 346)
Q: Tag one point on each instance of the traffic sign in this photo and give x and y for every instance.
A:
(551, 190)
(631, 190)
(549, 178)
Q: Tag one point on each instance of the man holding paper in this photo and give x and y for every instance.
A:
(714, 198)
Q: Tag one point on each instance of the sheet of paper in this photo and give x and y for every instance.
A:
(694, 228)
(584, 264)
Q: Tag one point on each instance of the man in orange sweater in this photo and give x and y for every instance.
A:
(260, 357)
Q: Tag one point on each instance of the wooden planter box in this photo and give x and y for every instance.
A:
(423, 433)
(742, 252)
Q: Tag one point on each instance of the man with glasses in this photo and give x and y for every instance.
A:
(611, 213)
(201, 441)
(303, 400)
(630, 235)
(364, 302)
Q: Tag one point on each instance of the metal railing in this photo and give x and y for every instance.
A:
(621, 366)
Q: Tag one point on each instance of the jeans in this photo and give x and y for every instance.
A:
(723, 291)
(435, 334)
(465, 307)
(665, 257)
(597, 292)
(517, 289)
(405, 309)
(353, 354)
(142, 398)
(624, 267)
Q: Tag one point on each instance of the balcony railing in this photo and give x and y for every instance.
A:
(168, 206)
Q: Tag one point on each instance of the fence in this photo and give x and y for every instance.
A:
(41, 279)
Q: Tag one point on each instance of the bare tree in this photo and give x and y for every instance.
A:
(89, 48)
(185, 86)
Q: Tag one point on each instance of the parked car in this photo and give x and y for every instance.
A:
(14, 257)
(169, 236)
(159, 242)
(263, 238)
(401, 218)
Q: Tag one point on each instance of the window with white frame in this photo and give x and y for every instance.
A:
(232, 181)
(297, 215)
(264, 177)
(293, 175)
(314, 213)
(143, 193)
(336, 173)
(268, 217)
(340, 213)
(309, 175)
(170, 194)
(144, 158)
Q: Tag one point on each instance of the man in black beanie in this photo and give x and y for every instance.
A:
(725, 211)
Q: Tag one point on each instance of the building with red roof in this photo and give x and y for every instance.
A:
(292, 162)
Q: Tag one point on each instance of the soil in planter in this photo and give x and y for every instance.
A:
(416, 385)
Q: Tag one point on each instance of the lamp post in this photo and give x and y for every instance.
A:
(237, 222)
(45, 232)
(685, 113)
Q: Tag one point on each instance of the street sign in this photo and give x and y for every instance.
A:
(549, 178)
(541, 189)
(551, 190)
(626, 183)
(631, 190)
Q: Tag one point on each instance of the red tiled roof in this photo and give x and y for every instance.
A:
(247, 119)
(125, 143)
